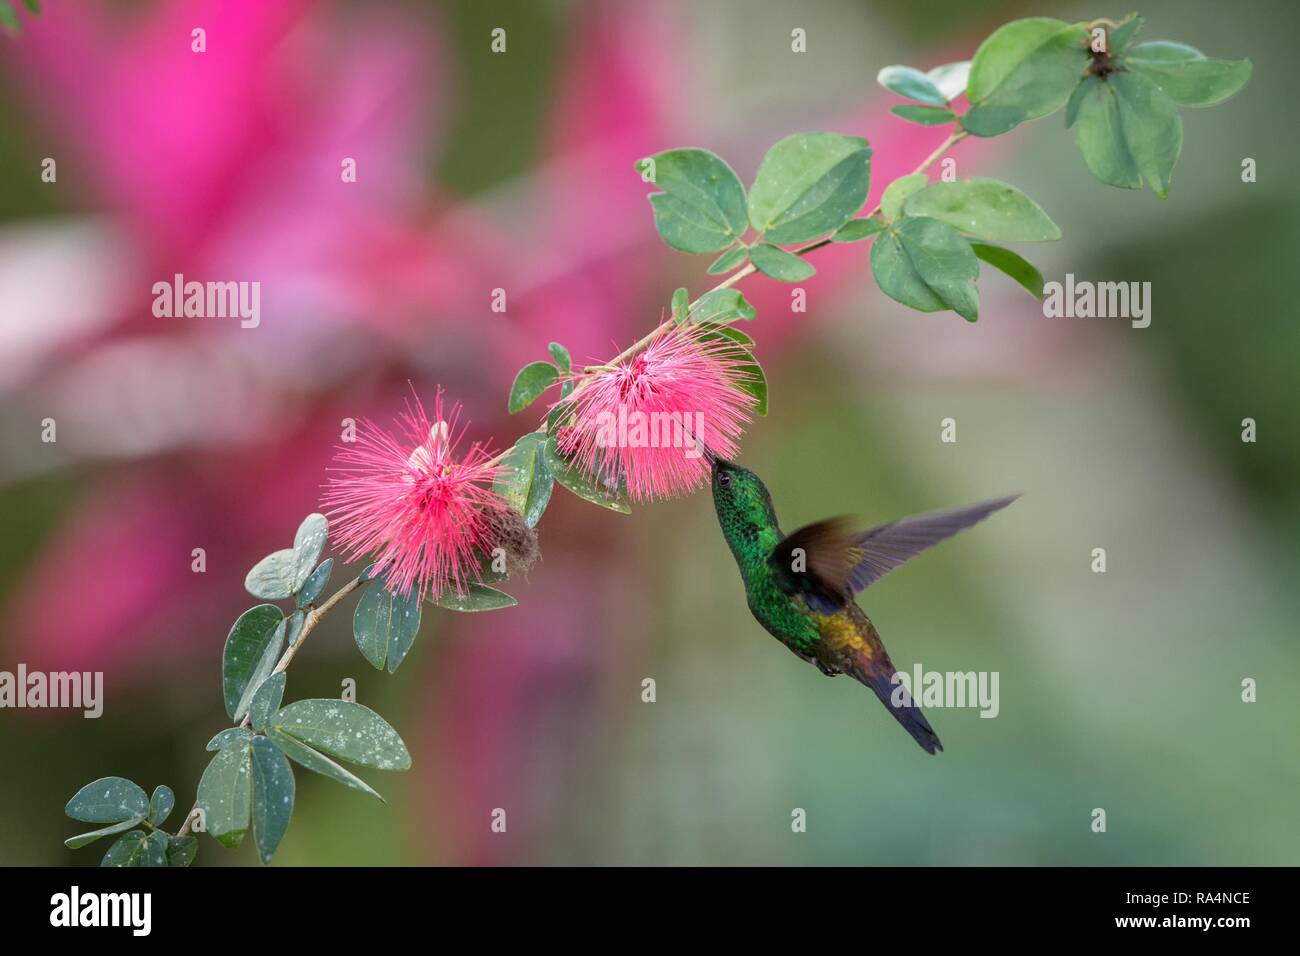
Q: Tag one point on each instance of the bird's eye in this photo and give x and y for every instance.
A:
(724, 480)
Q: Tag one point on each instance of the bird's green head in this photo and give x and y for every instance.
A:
(744, 509)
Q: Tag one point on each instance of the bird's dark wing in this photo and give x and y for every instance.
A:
(838, 562)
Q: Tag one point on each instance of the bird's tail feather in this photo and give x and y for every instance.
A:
(897, 700)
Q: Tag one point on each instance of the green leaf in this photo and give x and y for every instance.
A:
(950, 79)
(722, 306)
(385, 625)
(181, 850)
(754, 381)
(985, 208)
(315, 583)
(775, 263)
(855, 230)
(161, 805)
(293, 628)
(1013, 265)
(252, 649)
(9, 19)
(266, 701)
(912, 83)
(226, 795)
(891, 202)
(274, 578)
(1185, 74)
(926, 264)
(681, 306)
(83, 839)
(477, 597)
(273, 791)
(308, 543)
(107, 800)
(561, 356)
(924, 115)
(316, 761)
(1128, 131)
(601, 492)
(729, 261)
(1024, 70)
(154, 851)
(524, 480)
(126, 850)
(346, 730)
(234, 737)
(533, 379)
(808, 185)
(702, 206)
(1119, 38)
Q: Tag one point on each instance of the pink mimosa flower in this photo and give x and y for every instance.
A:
(407, 500)
(652, 421)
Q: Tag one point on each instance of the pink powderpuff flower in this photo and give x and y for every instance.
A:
(654, 421)
(424, 515)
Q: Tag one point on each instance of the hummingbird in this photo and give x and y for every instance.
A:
(801, 586)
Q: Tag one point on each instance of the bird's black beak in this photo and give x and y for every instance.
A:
(709, 456)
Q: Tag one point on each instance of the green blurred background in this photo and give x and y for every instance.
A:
(1119, 690)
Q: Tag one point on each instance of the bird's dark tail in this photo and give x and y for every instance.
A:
(899, 702)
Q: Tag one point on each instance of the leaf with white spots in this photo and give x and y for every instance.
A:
(385, 625)
(108, 800)
(252, 649)
(161, 805)
(266, 701)
(226, 794)
(308, 543)
(316, 761)
(346, 730)
(230, 738)
(273, 789)
(83, 839)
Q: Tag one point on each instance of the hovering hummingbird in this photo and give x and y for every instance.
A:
(800, 586)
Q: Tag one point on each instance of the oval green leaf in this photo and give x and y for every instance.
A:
(702, 206)
(385, 625)
(927, 265)
(808, 185)
(1024, 70)
(251, 651)
(83, 839)
(985, 208)
(275, 577)
(226, 795)
(533, 379)
(273, 792)
(161, 805)
(1013, 265)
(775, 263)
(924, 115)
(308, 543)
(346, 730)
(266, 701)
(316, 761)
(912, 83)
(477, 597)
(855, 230)
(108, 800)
(315, 584)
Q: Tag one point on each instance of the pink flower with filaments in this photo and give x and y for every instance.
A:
(652, 421)
(424, 515)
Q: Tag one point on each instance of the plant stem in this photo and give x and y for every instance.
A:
(308, 625)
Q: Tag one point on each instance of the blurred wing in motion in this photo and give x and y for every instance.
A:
(827, 563)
